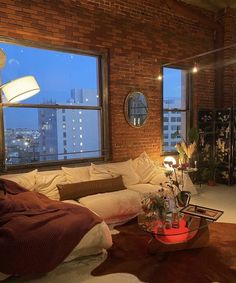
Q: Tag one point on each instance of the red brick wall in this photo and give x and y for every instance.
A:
(138, 35)
(229, 54)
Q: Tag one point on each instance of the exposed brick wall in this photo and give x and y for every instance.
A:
(229, 75)
(138, 35)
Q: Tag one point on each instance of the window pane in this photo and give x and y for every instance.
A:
(34, 135)
(174, 88)
(64, 78)
(173, 131)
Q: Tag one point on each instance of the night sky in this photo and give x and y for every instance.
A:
(56, 73)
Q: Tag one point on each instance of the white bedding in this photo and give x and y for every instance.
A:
(93, 242)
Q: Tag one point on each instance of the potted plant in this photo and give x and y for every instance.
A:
(208, 173)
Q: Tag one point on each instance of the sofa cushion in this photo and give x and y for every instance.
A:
(109, 170)
(26, 180)
(76, 174)
(98, 172)
(46, 183)
(144, 167)
(114, 207)
(126, 170)
(159, 178)
(82, 189)
(144, 188)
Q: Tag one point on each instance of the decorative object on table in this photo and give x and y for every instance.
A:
(183, 198)
(202, 211)
(155, 207)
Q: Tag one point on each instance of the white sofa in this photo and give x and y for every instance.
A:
(140, 176)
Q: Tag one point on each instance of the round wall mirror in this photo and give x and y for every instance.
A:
(136, 109)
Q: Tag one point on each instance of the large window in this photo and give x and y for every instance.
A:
(175, 107)
(64, 121)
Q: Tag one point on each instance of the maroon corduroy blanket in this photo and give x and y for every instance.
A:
(36, 233)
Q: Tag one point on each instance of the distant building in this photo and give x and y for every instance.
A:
(48, 143)
(173, 122)
(68, 133)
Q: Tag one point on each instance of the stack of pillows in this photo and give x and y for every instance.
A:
(61, 184)
(99, 187)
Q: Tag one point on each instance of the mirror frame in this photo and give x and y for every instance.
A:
(126, 109)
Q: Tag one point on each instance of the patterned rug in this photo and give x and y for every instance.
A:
(215, 263)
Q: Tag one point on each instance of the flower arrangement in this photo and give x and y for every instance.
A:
(153, 202)
(185, 150)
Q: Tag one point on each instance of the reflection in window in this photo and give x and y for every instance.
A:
(61, 122)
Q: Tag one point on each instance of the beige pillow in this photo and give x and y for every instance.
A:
(144, 167)
(159, 178)
(76, 174)
(47, 184)
(82, 189)
(99, 172)
(126, 170)
(25, 180)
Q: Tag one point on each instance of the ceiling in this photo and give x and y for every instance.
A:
(212, 5)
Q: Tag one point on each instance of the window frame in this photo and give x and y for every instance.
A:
(187, 110)
(102, 71)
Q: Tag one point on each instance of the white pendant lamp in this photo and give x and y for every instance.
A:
(20, 89)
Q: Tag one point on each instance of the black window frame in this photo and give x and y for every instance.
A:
(102, 57)
(187, 110)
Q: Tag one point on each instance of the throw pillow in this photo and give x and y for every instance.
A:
(82, 189)
(126, 170)
(144, 167)
(98, 172)
(76, 174)
(46, 183)
(159, 178)
(25, 180)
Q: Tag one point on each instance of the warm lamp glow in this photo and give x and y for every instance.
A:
(195, 68)
(159, 77)
(169, 161)
(20, 89)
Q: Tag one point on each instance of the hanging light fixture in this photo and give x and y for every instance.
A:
(195, 68)
(18, 89)
(159, 77)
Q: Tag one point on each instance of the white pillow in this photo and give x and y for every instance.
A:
(26, 180)
(159, 178)
(98, 172)
(76, 174)
(126, 170)
(144, 167)
(47, 184)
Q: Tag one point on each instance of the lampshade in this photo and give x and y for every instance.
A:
(20, 89)
(169, 161)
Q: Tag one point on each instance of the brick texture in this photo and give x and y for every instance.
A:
(229, 55)
(139, 36)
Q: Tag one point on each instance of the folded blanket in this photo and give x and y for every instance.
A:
(36, 233)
